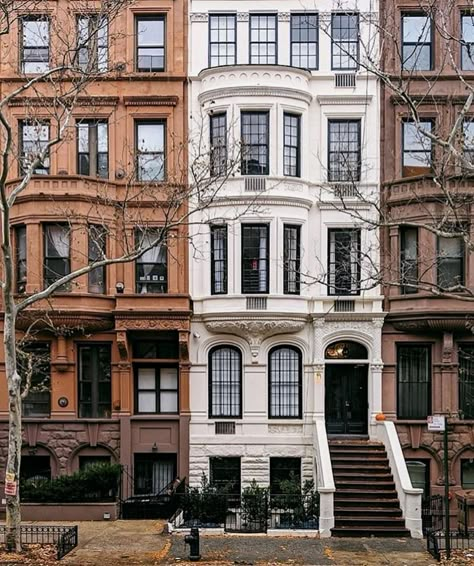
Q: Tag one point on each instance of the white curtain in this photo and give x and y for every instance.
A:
(151, 257)
(59, 240)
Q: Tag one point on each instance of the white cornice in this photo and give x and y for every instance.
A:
(259, 199)
(267, 91)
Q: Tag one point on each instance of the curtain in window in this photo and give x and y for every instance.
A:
(58, 241)
(152, 256)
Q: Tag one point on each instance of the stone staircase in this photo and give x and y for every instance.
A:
(366, 502)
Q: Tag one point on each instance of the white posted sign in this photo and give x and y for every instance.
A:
(436, 423)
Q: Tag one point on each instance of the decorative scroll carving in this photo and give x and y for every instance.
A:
(255, 331)
(242, 16)
(199, 16)
(183, 346)
(142, 323)
(122, 344)
(448, 348)
(283, 16)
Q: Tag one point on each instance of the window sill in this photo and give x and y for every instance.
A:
(157, 416)
(411, 421)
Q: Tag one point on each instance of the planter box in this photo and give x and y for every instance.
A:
(69, 511)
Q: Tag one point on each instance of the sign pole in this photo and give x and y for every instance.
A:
(446, 490)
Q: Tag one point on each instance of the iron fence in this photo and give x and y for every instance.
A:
(436, 541)
(432, 513)
(154, 506)
(248, 513)
(64, 538)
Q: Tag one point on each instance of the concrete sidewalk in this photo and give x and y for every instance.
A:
(128, 543)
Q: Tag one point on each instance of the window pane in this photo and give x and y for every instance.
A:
(222, 48)
(218, 260)
(285, 383)
(146, 402)
(169, 402)
(291, 255)
(34, 359)
(416, 49)
(414, 382)
(344, 262)
(146, 378)
(225, 382)
(466, 381)
(150, 32)
(255, 259)
(169, 378)
(467, 474)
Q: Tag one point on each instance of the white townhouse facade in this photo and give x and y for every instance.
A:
(286, 332)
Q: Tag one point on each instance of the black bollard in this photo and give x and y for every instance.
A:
(193, 541)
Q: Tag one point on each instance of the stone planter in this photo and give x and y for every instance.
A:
(69, 511)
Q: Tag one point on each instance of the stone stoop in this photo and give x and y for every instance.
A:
(366, 501)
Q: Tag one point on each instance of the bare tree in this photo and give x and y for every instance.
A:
(156, 210)
(427, 173)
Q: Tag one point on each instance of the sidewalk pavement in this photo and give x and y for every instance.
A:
(130, 543)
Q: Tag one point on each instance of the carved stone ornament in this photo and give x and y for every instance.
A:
(285, 429)
(242, 16)
(199, 16)
(255, 331)
(283, 16)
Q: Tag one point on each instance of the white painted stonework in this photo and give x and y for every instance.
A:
(307, 321)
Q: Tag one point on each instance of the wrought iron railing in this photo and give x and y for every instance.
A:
(248, 513)
(432, 513)
(436, 541)
(154, 506)
(64, 538)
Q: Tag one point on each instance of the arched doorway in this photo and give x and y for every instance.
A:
(346, 402)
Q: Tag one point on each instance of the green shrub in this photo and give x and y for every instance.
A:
(206, 504)
(98, 482)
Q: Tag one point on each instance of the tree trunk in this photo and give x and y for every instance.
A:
(13, 519)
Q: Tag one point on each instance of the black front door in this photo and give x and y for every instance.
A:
(346, 399)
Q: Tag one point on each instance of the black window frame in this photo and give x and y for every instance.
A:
(93, 44)
(274, 43)
(229, 466)
(346, 51)
(463, 462)
(273, 413)
(347, 174)
(291, 286)
(466, 380)
(292, 144)
(39, 365)
(440, 260)
(402, 412)
(334, 289)
(219, 264)
(96, 249)
(44, 47)
(218, 143)
(247, 285)
(215, 409)
(233, 58)
(255, 168)
(160, 286)
(466, 46)
(21, 258)
(44, 167)
(97, 374)
(406, 150)
(408, 266)
(293, 42)
(151, 69)
(277, 464)
(416, 14)
(157, 389)
(468, 149)
(94, 156)
(47, 278)
(138, 153)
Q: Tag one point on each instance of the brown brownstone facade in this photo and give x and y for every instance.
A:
(435, 327)
(142, 330)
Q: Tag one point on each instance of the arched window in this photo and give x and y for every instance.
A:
(346, 350)
(225, 382)
(285, 383)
